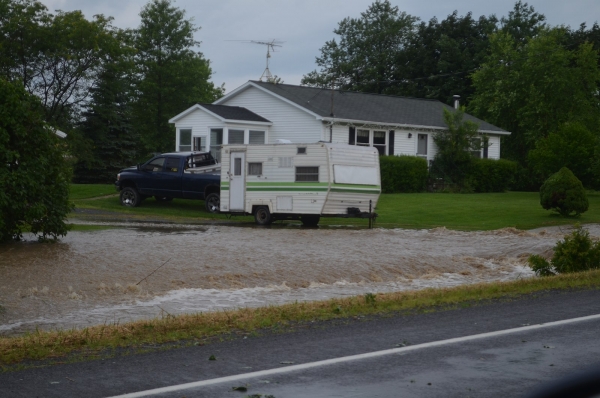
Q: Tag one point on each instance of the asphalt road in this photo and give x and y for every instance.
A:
(496, 366)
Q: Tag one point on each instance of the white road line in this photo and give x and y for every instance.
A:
(333, 361)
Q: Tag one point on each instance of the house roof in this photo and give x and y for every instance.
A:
(365, 107)
(225, 113)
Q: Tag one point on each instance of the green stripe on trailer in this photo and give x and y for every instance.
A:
(368, 191)
(287, 189)
(355, 186)
(287, 184)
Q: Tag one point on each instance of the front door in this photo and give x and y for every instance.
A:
(237, 181)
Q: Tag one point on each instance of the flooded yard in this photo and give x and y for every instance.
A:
(139, 271)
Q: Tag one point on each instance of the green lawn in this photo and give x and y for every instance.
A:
(416, 211)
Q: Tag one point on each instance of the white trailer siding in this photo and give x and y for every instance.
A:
(289, 121)
(344, 195)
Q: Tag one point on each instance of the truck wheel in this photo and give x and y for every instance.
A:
(213, 203)
(262, 216)
(310, 220)
(130, 197)
(163, 198)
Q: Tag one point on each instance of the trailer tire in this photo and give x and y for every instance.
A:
(310, 220)
(212, 203)
(130, 197)
(163, 198)
(262, 215)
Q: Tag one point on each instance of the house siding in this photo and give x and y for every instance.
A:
(289, 122)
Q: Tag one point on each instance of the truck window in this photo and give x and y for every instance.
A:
(155, 165)
(172, 165)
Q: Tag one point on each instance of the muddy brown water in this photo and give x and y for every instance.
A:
(140, 271)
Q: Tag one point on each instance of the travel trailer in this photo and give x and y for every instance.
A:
(289, 181)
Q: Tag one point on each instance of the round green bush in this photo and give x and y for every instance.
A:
(563, 192)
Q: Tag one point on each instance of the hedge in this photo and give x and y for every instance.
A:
(491, 175)
(403, 174)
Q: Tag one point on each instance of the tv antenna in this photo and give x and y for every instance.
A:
(270, 48)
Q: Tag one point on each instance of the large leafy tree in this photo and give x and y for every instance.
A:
(34, 173)
(531, 89)
(442, 55)
(572, 146)
(369, 55)
(171, 75)
(55, 57)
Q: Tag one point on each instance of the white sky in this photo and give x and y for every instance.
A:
(303, 25)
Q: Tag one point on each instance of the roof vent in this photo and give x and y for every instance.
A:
(456, 101)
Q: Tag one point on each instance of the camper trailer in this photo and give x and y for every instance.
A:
(288, 181)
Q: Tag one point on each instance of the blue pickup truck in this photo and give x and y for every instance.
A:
(185, 175)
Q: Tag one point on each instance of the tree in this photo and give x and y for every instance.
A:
(34, 173)
(523, 22)
(572, 146)
(55, 57)
(369, 55)
(442, 55)
(171, 76)
(109, 141)
(533, 89)
(453, 158)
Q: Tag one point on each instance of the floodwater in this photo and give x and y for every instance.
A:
(138, 271)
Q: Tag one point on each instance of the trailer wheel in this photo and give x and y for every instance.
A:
(213, 203)
(130, 197)
(310, 220)
(262, 216)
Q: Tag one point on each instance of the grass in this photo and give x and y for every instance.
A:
(466, 212)
(90, 342)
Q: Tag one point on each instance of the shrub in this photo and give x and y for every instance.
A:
(491, 175)
(563, 192)
(403, 174)
(575, 253)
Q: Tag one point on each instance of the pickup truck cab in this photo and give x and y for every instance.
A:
(185, 175)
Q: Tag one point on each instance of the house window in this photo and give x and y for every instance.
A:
(199, 144)
(363, 137)
(307, 174)
(302, 151)
(254, 169)
(375, 138)
(236, 136)
(256, 137)
(379, 141)
(476, 147)
(185, 140)
(422, 145)
(216, 140)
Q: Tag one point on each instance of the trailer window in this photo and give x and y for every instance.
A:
(254, 169)
(310, 174)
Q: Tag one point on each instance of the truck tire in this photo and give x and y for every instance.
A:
(130, 197)
(212, 203)
(163, 198)
(310, 220)
(262, 215)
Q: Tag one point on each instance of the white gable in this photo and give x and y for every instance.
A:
(289, 120)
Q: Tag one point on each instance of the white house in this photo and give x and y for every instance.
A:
(260, 112)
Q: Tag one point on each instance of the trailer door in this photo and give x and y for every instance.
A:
(237, 181)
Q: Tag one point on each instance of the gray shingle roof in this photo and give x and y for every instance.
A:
(370, 107)
(234, 113)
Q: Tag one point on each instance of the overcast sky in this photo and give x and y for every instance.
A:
(302, 25)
